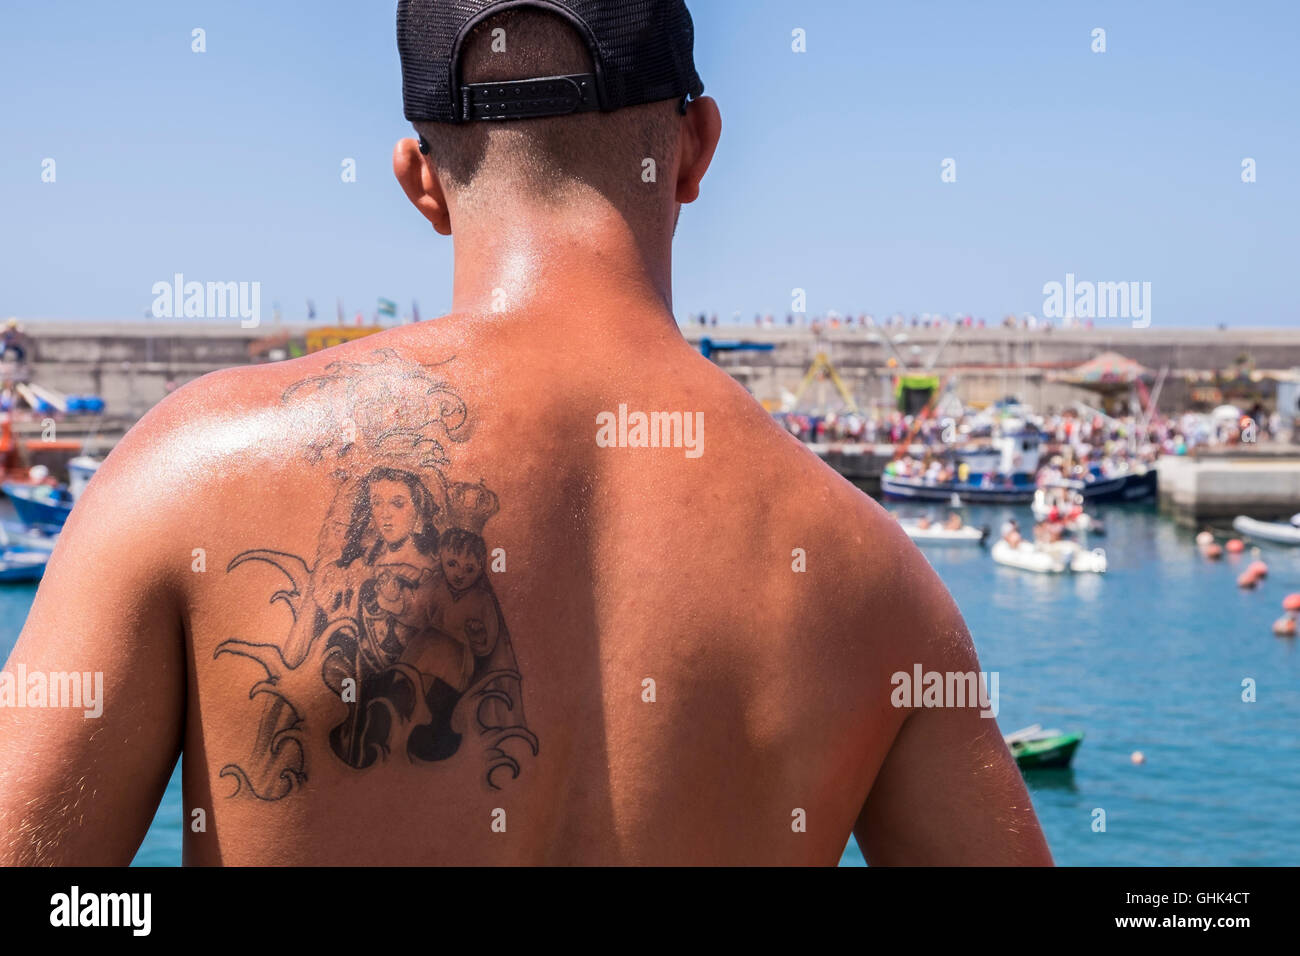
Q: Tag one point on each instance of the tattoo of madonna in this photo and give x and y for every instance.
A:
(395, 615)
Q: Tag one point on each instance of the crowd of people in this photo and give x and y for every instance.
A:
(848, 322)
(1118, 440)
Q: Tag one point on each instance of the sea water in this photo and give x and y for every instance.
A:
(1148, 657)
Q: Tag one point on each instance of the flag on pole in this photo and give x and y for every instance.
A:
(415, 311)
(340, 302)
(387, 307)
(311, 309)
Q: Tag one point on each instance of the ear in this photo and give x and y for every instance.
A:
(701, 131)
(419, 180)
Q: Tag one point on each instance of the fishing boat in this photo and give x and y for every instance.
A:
(43, 507)
(1001, 473)
(1275, 531)
(938, 534)
(20, 564)
(1037, 749)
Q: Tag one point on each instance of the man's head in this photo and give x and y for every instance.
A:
(641, 160)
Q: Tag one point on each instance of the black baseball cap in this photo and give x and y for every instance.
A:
(643, 51)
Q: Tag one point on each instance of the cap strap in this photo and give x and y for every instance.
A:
(526, 99)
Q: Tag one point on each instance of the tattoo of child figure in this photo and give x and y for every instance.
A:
(396, 615)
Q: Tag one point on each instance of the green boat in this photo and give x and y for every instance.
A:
(1037, 749)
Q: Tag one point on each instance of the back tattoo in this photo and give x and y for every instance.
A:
(396, 615)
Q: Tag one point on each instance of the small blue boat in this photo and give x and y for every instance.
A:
(43, 507)
(22, 564)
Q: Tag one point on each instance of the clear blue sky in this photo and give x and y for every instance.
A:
(1117, 166)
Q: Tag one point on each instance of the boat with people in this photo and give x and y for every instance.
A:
(1276, 532)
(925, 531)
(1037, 749)
(1029, 557)
(1065, 507)
(43, 505)
(1054, 558)
(1003, 472)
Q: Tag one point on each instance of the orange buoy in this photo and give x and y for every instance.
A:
(1213, 552)
(1236, 546)
(1284, 626)
(1257, 568)
(1291, 602)
(1247, 580)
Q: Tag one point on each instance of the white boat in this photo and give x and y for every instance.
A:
(938, 534)
(1050, 559)
(1274, 531)
(1029, 557)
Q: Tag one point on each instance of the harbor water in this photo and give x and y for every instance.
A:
(1153, 656)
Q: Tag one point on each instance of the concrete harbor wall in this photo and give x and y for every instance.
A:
(1197, 489)
(134, 364)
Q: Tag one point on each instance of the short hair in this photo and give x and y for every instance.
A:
(550, 157)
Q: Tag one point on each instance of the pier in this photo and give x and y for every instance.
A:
(1218, 486)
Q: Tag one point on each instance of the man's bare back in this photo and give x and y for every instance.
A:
(436, 596)
(703, 645)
